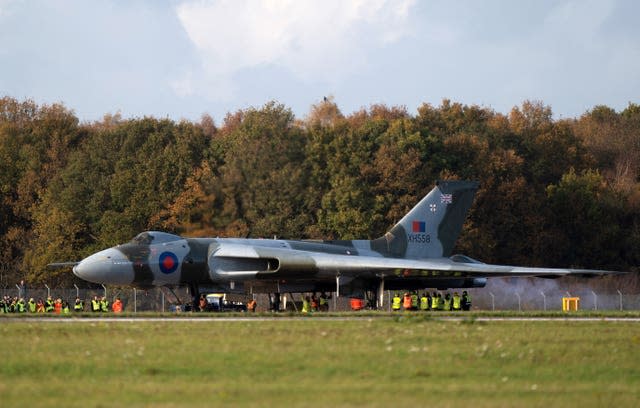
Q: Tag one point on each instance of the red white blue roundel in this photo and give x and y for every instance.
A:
(168, 262)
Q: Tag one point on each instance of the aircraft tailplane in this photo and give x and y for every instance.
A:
(431, 228)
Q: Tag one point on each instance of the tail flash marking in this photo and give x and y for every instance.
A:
(419, 226)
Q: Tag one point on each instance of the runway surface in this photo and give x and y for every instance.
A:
(308, 318)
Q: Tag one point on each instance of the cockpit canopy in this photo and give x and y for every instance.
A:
(154, 237)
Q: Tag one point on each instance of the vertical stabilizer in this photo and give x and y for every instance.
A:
(431, 228)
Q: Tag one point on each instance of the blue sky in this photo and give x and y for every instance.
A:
(180, 59)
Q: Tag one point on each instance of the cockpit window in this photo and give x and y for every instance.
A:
(155, 237)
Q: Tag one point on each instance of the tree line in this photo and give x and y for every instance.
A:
(553, 192)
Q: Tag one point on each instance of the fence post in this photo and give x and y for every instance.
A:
(48, 290)
(519, 305)
(19, 291)
(595, 300)
(544, 301)
(135, 300)
(105, 290)
(493, 302)
(620, 293)
(77, 290)
(162, 293)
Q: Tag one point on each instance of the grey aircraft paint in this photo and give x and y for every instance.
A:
(413, 254)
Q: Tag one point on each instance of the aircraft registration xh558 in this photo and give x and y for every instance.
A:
(414, 254)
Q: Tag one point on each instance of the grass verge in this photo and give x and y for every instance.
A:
(407, 359)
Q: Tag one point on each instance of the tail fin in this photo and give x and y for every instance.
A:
(431, 228)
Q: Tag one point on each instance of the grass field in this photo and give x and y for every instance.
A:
(387, 361)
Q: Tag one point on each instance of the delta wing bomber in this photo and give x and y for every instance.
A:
(416, 253)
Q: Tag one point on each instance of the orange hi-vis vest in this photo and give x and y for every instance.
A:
(407, 302)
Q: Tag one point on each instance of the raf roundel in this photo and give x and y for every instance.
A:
(168, 262)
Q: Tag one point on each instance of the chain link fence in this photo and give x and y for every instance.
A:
(493, 297)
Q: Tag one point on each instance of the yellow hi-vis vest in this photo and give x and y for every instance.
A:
(434, 302)
(424, 303)
(456, 302)
(397, 302)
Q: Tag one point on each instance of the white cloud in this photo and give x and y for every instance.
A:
(5, 7)
(314, 40)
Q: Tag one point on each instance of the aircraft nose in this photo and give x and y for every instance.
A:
(107, 267)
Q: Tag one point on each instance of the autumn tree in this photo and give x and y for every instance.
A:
(585, 223)
(113, 185)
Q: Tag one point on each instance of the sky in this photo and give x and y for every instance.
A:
(182, 59)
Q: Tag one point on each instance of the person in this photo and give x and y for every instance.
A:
(95, 304)
(104, 305)
(3, 305)
(440, 302)
(406, 301)
(434, 301)
(314, 303)
(117, 305)
(306, 305)
(21, 306)
(65, 307)
(447, 302)
(78, 306)
(466, 301)
(457, 302)
(414, 300)
(48, 305)
(57, 306)
(396, 303)
(40, 306)
(424, 302)
(32, 305)
(251, 306)
(324, 302)
(202, 303)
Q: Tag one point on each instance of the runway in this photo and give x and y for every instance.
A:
(72, 320)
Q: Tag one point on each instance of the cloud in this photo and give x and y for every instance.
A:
(4, 7)
(313, 40)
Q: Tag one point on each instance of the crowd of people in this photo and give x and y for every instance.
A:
(315, 303)
(431, 302)
(435, 301)
(16, 304)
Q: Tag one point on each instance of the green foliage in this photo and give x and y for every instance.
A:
(116, 181)
(35, 142)
(552, 192)
(585, 221)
